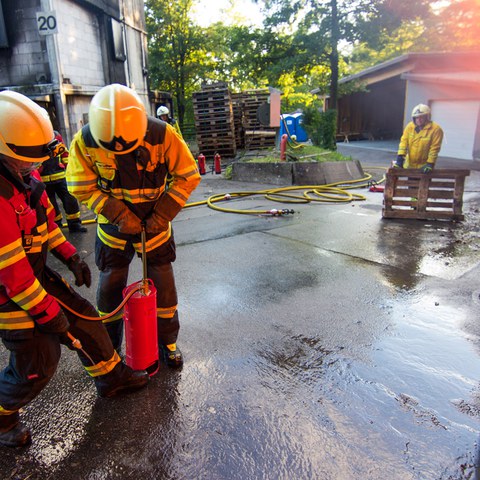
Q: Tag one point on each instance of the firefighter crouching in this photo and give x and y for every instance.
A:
(118, 167)
(32, 323)
(52, 172)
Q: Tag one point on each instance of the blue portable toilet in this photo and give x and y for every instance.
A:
(301, 134)
(291, 124)
(287, 125)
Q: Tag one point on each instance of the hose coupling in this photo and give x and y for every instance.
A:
(278, 213)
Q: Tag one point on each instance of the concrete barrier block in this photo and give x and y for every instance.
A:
(271, 173)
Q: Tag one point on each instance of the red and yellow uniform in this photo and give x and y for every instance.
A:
(139, 180)
(29, 290)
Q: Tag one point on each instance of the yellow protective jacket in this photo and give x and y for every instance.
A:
(137, 178)
(420, 147)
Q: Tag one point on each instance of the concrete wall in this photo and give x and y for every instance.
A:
(301, 173)
(63, 70)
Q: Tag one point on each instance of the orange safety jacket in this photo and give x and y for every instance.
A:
(28, 231)
(138, 178)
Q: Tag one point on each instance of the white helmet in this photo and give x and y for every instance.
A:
(26, 132)
(117, 118)
(162, 110)
(420, 110)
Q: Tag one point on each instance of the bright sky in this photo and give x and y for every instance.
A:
(244, 12)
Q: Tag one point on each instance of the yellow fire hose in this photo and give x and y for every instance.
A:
(332, 193)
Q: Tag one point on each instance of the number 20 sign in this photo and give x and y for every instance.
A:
(47, 23)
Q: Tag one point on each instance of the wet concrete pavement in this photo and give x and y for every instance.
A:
(328, 344)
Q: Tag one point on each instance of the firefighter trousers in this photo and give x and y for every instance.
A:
(34, 355)
(114, 263)
(69, 202)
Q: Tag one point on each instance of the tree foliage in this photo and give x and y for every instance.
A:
(304, 45)
(176, 53)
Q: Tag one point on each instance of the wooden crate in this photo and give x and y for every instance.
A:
(434, 196)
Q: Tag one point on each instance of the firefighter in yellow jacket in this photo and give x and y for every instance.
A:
(118, 167)
(421, 141)
(33, 324)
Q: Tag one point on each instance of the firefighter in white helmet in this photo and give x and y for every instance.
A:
(118, 167)
(163, 113)
(33, 324)
(421, 141)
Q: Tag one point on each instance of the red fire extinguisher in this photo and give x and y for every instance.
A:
(202, 166)
(140, 318)
(217, 163)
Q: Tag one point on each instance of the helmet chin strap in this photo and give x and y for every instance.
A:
(19, 167)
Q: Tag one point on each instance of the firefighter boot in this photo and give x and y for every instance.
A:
(12, 432)
(75, 226)
(122, 379)
(171, 355)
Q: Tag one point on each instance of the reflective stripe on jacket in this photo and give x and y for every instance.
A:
(28, 232)
(420, 147)
(53, 169)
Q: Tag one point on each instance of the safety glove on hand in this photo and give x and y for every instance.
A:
(427, 168)
(117, 213)
(164, 211)
(399, 161)
(58, 325)
(80, 270)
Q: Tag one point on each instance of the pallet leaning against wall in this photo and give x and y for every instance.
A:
(434, 196)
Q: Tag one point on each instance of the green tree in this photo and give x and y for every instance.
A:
(449, 27)
(176, 55)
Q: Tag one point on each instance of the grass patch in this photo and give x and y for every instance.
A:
(304, 153)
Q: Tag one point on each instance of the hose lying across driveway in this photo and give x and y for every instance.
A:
(331, 193)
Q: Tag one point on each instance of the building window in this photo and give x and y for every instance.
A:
(3, 30)
(118, 45)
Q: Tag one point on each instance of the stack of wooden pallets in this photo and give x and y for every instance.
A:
(255, 135)
(212, 107)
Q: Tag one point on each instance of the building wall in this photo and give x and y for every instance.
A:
(26, 59)
(62, 71)
(425, 92)
(79, 45)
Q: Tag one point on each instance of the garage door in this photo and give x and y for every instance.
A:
(458, 120)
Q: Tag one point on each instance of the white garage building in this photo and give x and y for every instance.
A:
(448, 82)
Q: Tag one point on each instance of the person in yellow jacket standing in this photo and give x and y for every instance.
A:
(421, 141)
(118, 167)
(163, 113)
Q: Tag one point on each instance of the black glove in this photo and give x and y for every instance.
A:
(117, 213)
(57, 325)
(399, 161)
(427, 168)
(80, 269)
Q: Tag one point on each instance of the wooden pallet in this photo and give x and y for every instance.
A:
(434, 196)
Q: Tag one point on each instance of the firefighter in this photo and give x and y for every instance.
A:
(118, 167)
(421, 142)
(32, 323)
(52, 172)
(163, 113)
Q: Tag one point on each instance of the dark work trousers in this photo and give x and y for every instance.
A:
(33, 360)
(69, 202)
(114, 263)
